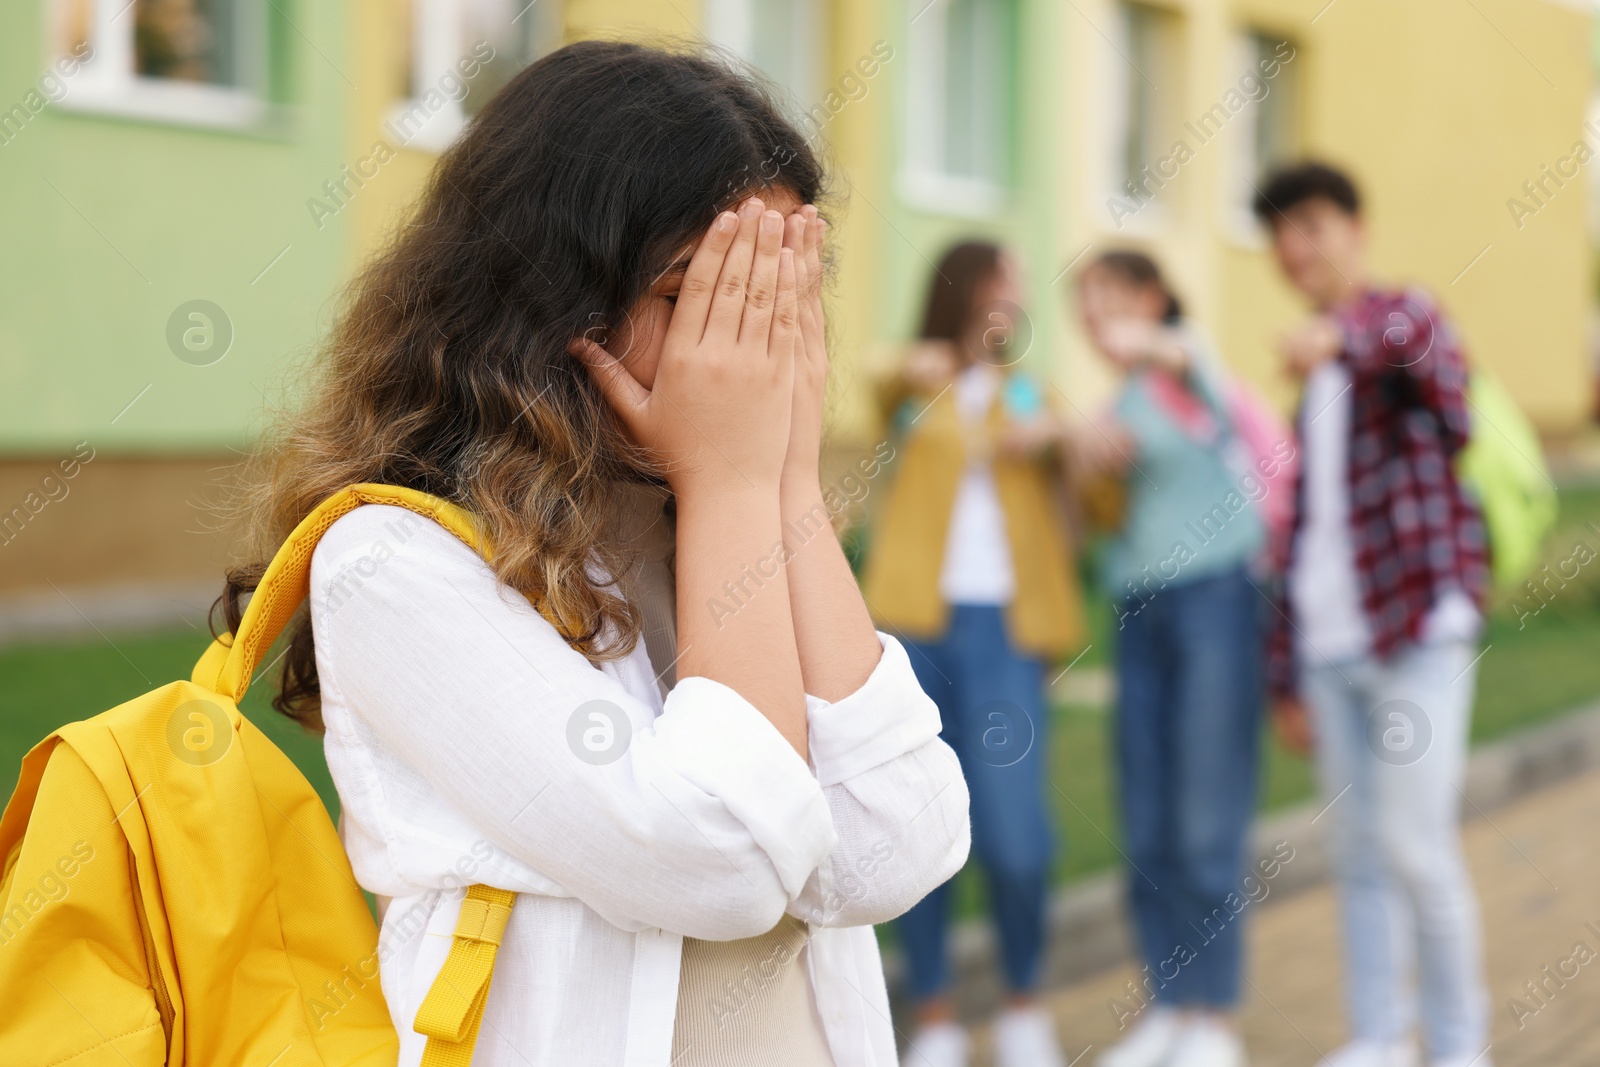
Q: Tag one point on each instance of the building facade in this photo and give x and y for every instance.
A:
(188, 184)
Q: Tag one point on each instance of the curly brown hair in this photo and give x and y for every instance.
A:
(448, 370)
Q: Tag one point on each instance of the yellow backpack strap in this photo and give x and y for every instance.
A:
(453, 1009)
(287, 580)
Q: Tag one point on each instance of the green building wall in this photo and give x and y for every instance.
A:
(111, 223)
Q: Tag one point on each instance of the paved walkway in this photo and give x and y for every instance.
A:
(1537, 868)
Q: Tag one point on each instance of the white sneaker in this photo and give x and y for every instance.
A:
(1207, 1042)
(1372, 1054)
(1149, 1042)
(1026, 1037)
(939, 1045)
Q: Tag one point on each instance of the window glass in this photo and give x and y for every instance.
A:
(780, 38)
(1276, 132)
(1142, 33)
(463, 52)
(975, 99)
(518, 31)
(185, 40)
(1267, 75)
(958, 133)
(204, 62)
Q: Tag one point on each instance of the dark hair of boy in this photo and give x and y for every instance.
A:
(1290, 186)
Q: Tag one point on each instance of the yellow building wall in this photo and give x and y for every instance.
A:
(632, 19)
(1441, 111)
(382, 49)
(1444, 113)
(858, 144)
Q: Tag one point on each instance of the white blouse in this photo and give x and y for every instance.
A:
(977, 566)
(470, 744)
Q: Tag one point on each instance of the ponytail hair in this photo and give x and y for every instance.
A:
(1140, 271)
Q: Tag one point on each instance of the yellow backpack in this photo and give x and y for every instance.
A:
(173, 891)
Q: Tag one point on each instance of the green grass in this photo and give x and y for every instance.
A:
(1536, 667)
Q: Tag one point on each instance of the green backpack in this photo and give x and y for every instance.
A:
(1505, 470)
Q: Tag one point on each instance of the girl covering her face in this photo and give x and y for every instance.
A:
(659, 712)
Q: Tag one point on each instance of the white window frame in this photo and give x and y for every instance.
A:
(923, 181)
(437, 46)
(107, 83)
(1117, 74)
(732, 25)
(1242, 165)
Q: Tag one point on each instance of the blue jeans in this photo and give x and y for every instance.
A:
(1189, 702)
(1391, 754)
(991, 700)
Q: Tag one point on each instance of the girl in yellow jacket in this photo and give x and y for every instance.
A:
(971, 565)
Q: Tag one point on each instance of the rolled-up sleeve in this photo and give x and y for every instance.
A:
(704, 822)
(718, 742)
(896, 795)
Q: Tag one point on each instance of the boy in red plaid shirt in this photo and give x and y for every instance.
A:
(1374, 634)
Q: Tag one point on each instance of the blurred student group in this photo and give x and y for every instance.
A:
(1197, 310)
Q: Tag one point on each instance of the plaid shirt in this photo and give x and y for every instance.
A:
(1415, 531)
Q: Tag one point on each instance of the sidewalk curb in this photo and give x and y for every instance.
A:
(1089, 931)
(59, 613)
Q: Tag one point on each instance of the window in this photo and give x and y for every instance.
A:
(1267, 76)
(461, 53)
(780, 38)
(1142, 56)
(198, 61)
(958, 135)
(1137, 147)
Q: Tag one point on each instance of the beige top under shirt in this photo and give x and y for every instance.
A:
(739, 1002)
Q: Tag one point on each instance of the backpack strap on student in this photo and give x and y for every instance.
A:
(287, 580)
(453, 1009)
